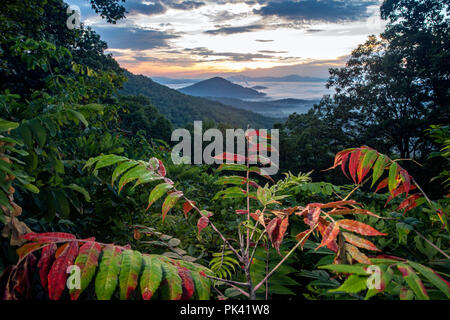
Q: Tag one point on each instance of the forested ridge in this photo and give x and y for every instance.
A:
(183, 109)
(87, 177)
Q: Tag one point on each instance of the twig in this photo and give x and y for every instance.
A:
(282, 260)
(432, 244)
(215, 229)
(244, 284)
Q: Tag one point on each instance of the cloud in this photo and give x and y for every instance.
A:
(134, 38)
(136, 6)
(229, 56)
(233, 30)
(225, 15)
(312, 68)
(314, 30)
(160, 7)
(271, 52)
(317, 10)
(264, 40)
(185, 5)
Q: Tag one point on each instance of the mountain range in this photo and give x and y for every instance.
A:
(242, 78)
(182, 109)
(220, 87)
(289, 78)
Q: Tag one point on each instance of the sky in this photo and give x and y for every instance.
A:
(202, 38)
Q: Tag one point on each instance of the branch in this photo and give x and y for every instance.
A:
(215, 229)
(244, 284)
(432, 244)
(283, 260)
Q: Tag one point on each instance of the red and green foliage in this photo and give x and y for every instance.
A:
(329, 222)
(115, 268)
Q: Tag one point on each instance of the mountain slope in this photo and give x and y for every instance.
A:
(182, 109)
(219, 87)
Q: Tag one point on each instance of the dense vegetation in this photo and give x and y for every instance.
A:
(74, 150)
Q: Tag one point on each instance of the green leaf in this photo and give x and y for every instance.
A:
(346, 268)
(108, 160)
(172, 284)
(63, 204)
(31, 187)
(236, 180)
(151, 276)
(121, 168)
(7, 125)
(38, 131)
(436, 280)
(413, 281)
(158, 192)
(232, 167)
(353, 284)
(393, 176)
(79, 116)
(25, 133)
(378, 169)
(87, 261)
(170, 201)
(129, 273)
(81, 190)
(108, 274)
(367, 162)
(202, 286)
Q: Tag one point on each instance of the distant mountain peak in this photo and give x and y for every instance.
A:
(220, 87)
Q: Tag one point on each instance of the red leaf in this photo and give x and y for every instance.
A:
(202, 223)
(161, 168)
(261, 134)
(272, 229)
(48, 236)
(359, 242)
(57, 276)
(340, 158)
(336, 204)
(241, 211)
(259, 147)
(359, 227)
(45, 263)
(281, 232)
(313, 216)
(353, 165)
(23, 277)
(409, 203)
(344, 162)
(29, 247)
(353, 211)
(329, 234)
(187, 283)
(396, 192)
(230, 157)
(356, 254)
(406, 181)
(383, 184)
(276, 229)
(253, 184)
(302, 235)
(188, 206)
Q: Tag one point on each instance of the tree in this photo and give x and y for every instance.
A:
(395, 86)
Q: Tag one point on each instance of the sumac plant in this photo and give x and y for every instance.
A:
(265, 218)
(67, 266)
